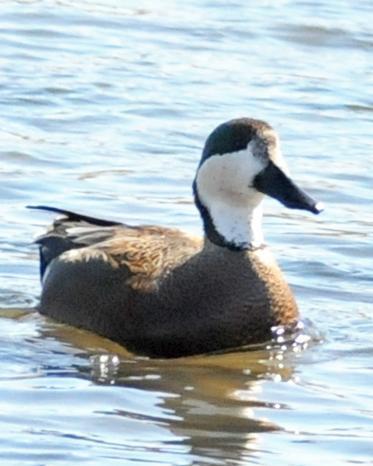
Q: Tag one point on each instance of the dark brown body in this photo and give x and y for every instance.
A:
(162, 293)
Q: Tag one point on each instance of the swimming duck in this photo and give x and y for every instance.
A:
(164, 293)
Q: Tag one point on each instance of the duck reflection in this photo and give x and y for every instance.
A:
(212, 406)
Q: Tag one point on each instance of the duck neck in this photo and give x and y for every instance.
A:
(235, 225)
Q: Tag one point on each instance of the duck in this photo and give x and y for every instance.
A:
(161, 292)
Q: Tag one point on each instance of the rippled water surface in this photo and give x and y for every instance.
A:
(104, 108)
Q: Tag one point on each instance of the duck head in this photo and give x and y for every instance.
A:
(240, 163)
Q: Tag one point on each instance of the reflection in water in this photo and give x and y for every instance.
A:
(208, 403)
(208, 407)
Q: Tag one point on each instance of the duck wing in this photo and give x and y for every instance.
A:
(146, 251)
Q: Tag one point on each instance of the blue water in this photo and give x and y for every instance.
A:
(104, 109)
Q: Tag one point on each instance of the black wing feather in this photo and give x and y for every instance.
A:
(57, 240)
(76, 217)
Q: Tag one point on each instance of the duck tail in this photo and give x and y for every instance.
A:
(74, 217)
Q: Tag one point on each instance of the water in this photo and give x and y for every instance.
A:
(104, 107)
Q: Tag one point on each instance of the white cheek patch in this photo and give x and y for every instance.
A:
(224, 184)
(228, 174)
